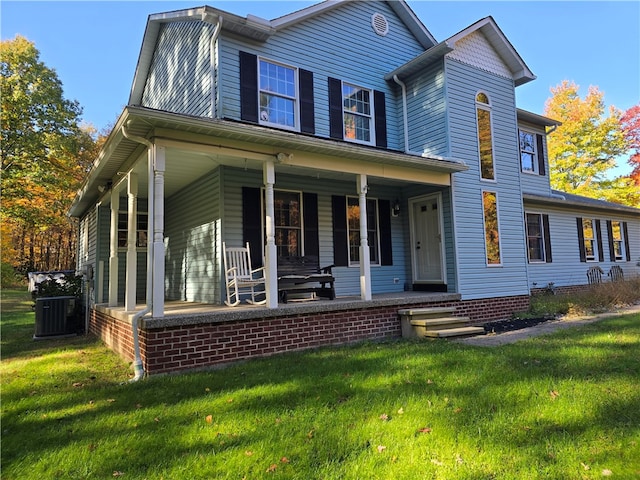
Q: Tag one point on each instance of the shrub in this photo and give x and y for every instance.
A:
(67, 285)
(9, 278)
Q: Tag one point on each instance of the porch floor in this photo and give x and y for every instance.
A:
(181, 313)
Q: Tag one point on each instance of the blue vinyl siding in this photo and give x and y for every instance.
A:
(566, 268)
(347, 278)
(476, 279)
(192, 236)
(180, 77)
(427, 112)
(351, 51)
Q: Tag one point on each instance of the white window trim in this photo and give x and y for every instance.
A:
(594, 239)
(126, 214)
(296, 99)
(264, 227)
(542, 236)
(488, 108)
(352, 263)
(484, 231)
(372, 115)
(535, 169)
(621, 240)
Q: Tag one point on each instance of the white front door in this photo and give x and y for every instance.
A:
(426, 238)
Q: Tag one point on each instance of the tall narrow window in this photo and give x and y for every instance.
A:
(589, 236)
(287, 223)
(491, 228)
(485, 141)
(357, 113)
(278, 94)
(353, 227)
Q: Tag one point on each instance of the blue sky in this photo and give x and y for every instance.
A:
(94, 46)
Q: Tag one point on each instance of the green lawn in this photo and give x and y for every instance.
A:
(565, 406)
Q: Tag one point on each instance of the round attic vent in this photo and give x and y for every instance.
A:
(379, 24)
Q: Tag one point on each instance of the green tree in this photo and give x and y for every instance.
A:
(45, 155)
(584, 148)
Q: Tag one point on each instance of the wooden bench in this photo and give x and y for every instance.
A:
(304, 275)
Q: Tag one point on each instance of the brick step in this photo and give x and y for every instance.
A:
(455, 332)
(424, 313)
(441, 323)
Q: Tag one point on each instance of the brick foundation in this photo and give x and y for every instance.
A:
(207, 344)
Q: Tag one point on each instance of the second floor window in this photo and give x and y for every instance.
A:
(528, 157)
(357, 113)
(485, 141)
(278, 94)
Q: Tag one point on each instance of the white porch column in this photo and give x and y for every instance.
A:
(113, 249)
(271, 254)
(158, 232)
(132, 251)
(365, 261)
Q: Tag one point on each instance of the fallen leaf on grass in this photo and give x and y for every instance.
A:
(384, 417)
(585, 466)
(272, 468)
(459, 460)
(435, 461)
(554, 394)
(310, 434)
(284, 460)
(118, 473)
(248, 453)
(424, 430)
(429, 381)
(230, 400)
(457, 410)
(209, 418)
(78, 384)
(111, 400)
(606, 472)
(400, 411)
(381, 448)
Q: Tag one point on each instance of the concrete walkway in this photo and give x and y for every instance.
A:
(494, 340)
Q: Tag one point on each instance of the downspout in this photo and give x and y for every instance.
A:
(214, 77)
(404, 112)
(137, 362)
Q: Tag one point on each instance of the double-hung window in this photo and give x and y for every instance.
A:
(538, 237)
(616, 239)
(278, 94)
(528, 157)
(491, 228)
(353, 230)
(485, 140)
(288, 223)
(589, 239)
(357, 105)
(141, 229)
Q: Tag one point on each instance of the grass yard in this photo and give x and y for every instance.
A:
(565, 406)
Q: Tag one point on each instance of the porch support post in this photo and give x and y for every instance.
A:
(271, 254)
(132, 234)
(158, 232)
(365, 261)
(113, 248)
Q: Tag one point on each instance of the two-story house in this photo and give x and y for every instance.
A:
(343, 132)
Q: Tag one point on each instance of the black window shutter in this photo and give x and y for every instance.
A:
(335, 109)
(252, 223)
(627, 247)
(310, 213)
(547, 238)
(340, 239)
(583, 253)
(599, 237)
(248, 87)
(540, 152)
(384, 217)
(612, 251)
(307, 111)
(380, 111)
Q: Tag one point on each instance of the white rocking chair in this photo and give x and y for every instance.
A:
(240, 275)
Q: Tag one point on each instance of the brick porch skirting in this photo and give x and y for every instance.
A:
(185, 342)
